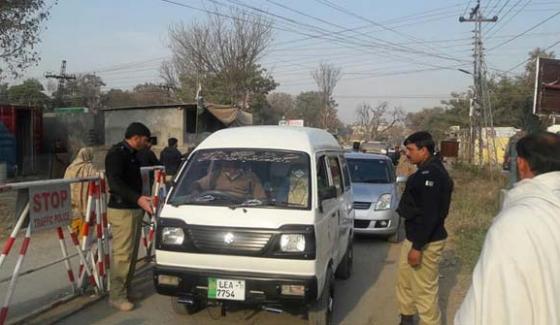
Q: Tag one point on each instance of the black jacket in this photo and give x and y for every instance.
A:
(425, 203)
(147, 158)
(171, 158)
(123, 175)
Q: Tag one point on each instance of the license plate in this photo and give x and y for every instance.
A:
(225, 289)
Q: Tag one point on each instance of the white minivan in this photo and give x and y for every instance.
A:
(260, 216)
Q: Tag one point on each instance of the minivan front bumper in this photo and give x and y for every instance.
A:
(262, 289)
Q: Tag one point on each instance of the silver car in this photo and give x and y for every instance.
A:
(376, 195)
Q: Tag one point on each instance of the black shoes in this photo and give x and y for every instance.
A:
(407, 320)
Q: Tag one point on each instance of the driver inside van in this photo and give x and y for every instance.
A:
(233, 179)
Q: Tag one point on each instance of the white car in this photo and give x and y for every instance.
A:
(281, 249)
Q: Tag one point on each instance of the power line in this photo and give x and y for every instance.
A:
(526, 31)
(521, 9)
(529, 59)
(382, 26)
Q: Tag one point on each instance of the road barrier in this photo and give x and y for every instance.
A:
(48, 206)
(158, 192)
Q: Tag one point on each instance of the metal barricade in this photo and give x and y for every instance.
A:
(158, 192)
(92, 245)
(49, 206)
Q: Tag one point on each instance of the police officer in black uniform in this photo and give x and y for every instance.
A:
(424, 206)
(125, 211)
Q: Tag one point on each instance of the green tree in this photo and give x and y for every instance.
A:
(151, 94)
(85, 90)
(29, 93)
(118, 98)
(3, 93)
(309, 105)
(20, 26)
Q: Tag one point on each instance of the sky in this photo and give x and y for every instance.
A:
(405, 52)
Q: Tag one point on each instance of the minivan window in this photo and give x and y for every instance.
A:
(345, 173)
(245, 178)
(336, 174)
(370, 170)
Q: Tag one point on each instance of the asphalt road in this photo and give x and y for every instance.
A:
(366, 298)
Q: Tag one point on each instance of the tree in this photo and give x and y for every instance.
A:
(308, 106)
(326, 77)
(20, 26)
(280, 105)
(3, 93)
(118, 98)
(152, 94)
(29, 93)
(376, 122)
(222, 56)
(85, 90)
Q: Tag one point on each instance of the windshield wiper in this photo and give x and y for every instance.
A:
(247, 203)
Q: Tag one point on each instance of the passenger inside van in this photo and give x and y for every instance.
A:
(230, 177)
(295, 188)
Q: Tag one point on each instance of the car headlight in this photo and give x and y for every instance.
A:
(292, 243)
(384, 202)
(172, 236)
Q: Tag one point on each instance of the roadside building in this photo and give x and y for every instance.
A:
(184, 122)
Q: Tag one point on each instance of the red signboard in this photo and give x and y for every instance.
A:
(547, 87)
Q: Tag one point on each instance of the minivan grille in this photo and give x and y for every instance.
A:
(217, 241)
(361, 205)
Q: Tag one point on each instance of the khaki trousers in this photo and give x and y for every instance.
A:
(126, 228)
(418, 287)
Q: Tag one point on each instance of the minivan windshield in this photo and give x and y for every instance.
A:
(245, 178)
(369, 170)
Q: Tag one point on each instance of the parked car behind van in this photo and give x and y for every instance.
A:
(258, 216)
(376, 195)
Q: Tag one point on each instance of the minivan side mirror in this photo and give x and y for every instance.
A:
(327, 193)
(402, 179)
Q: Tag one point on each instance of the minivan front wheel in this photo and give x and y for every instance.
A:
(321, 312)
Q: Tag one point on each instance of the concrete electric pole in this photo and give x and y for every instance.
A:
(481, 112)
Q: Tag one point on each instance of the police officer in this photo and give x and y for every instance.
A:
(125, 211)
(424, 207)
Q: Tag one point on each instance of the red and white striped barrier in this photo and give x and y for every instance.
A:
(92, 244)
(39, 217)
(12, 285)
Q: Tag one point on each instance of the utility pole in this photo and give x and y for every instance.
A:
(62, 77)
(481, 112)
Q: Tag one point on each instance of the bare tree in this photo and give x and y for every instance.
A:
(221, 53)
(326, 77)
(376, 122)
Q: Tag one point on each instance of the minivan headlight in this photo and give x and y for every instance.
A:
(384, 202)
(292, 243)
(172, 236)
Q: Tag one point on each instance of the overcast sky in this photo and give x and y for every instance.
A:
(406, 52)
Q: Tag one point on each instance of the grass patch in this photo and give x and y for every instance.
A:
(473, 206)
